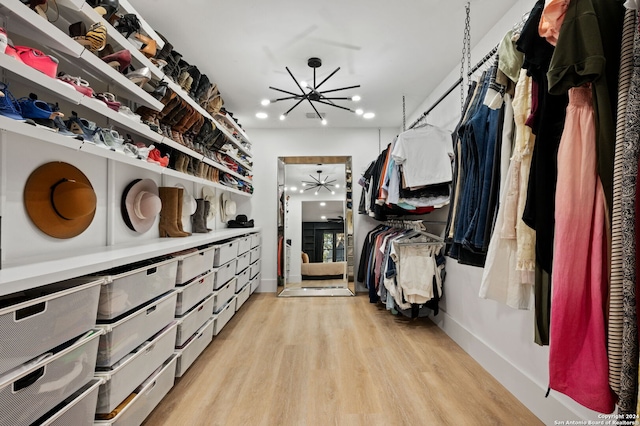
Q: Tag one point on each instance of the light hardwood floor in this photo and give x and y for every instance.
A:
(334, 361)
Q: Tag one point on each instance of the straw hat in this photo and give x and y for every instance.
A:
(140, 205)
(227, 207)
(60, 200)
(208, 194)
(189, 205)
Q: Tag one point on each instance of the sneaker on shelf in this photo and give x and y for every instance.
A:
(126, 111)
(38, 60)
(111, 139)
(9, 107)
(77, 83)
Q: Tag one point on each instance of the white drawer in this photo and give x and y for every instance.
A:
(223, 295)
(224, 273)
(192, 263)
(244, 244)
(225, 252)
(126, 375)
(42, 384)
(255, 254)
(37, 320)
(255, 269)
(243, 279)
(78, 409)
(133, 285)
(131, 331)
(255, 240)
(255, 283)
(243, 262)
(194, 319)
(242, 296)
(196, 345)
(194, 292)
(222, 318)
(148, 396)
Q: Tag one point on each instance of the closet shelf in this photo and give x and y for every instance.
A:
(120, 157)
(180, 175)
(217, 165)
(41, 270)
(35, 132)
(232, 123)
(240, 161)
(24, 21)
(84, 11)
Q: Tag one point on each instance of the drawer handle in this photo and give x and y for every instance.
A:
(153, 385)
(151, 309)
(201, 253)
(28, 380)
(150, 348)
(200, 335)
(152, 271)
(30, 311)
(201, 281)
(200, 308)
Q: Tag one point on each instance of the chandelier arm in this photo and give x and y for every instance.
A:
(291, 109)
(287, 98)
(328, 77)
(305, 95)
(336, 99)
(284, 91)
(334, 105)
(342, 88)
(316, 180)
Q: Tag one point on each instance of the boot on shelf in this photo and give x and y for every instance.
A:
(179, 214)
(205, 215)
(171, 213)
(199, 219)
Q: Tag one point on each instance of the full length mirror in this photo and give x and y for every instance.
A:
(315, 229)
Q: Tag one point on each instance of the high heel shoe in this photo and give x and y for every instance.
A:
(95, 39)
(119, 60)
(82, 127)
(128, 24)
(140, 76)
(149, 45)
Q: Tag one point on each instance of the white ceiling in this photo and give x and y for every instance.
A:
(390, 48)
(312, 211)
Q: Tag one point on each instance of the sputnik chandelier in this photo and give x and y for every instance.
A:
(320, 183)
(311, 93)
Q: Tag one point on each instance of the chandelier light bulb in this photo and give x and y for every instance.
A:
(369, 115)
(356, 98)
(304, 84)
(304, 184)
(316, 193)
(262, 115)
(333, 192)
(359, 111)
(302, 191)
(282, 117)
(322, 204)
(265, 102)
(324, 122)
(337, 185)
(322, 182)
(293, 188)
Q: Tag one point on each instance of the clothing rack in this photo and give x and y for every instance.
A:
(454, 86)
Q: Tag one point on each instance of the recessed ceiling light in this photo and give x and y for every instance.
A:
(369, 115)
(282, 117)
(323, 217)
(324, 122)
(323, 204)
(316, 193)
(304, 84)
(265, 102)
(293, 188)
(262, 115)
(302, 191)
(337, 185)
(333, 192)
(355, 98)
(359, 111)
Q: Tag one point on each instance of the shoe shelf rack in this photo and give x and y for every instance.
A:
(64, 91)
(41, 270)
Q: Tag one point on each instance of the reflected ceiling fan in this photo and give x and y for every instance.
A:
(312, 93)
(319, 183)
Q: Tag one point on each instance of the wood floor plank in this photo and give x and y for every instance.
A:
(334, 361)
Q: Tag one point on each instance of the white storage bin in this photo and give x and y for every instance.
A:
(242, 296)
(224, 295)
(243, 262)
(132, 285)
(255, 240)
(225, 273)
(194, 292)
(255, 254)
(222, 318)
(127, 374)
(255, 283)
(255, 269)
(243, 279)
(37, 320)
(194, 319)
(28, 393)
(225, 252)
(193, 349)
(149, 395)
(192, 263)
(244, 244)
(78, 409)
(123, 336)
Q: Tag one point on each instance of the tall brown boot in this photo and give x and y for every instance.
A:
(179, 215)
(198, 219)
(169, 216)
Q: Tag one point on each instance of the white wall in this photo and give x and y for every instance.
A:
(293, 232)
(498, 337)
(269, 144)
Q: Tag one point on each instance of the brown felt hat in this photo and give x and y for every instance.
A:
(60, 200)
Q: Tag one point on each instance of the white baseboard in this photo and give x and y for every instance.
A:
(268, 286)
(532, 394)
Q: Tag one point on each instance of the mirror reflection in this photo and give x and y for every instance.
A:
(315, 249)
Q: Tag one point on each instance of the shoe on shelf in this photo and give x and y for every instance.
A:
(82, 127)
(126, 111)
(149, 45)
(155, 156)
(128, 24)
(95, 39)
(9, 107)
(140, 76)
(110, 100)
(111, 139)
(34, 108)
(105, 8)
(77, 83)
(38, 60)
(4, 40)
(119, 60)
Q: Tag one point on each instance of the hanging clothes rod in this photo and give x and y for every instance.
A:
(454, 86)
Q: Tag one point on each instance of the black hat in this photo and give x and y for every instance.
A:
(240, 221)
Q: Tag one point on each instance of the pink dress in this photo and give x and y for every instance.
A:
(578, 365)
